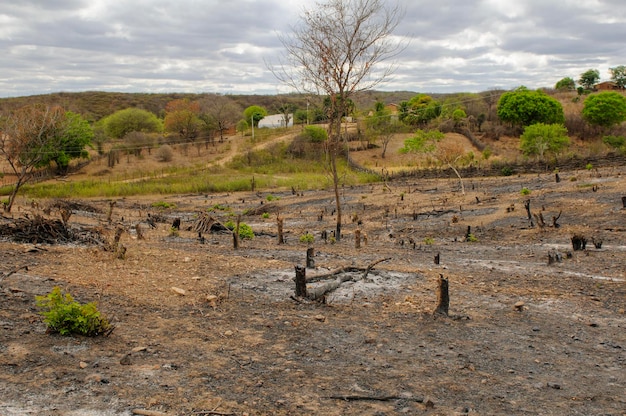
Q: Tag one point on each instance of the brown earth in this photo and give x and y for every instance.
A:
(374, 348)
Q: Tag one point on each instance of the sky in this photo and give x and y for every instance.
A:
(224, 46)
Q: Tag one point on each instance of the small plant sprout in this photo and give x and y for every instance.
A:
(307, 238)
(589, 166)
(265, 215)
(471, 238)
(525, 191)
(163, 205)
(429, 241)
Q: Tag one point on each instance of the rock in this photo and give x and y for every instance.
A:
(519, 306)
(94, 378)
(555, 386)
(179, 291)
(320, 318)
(83, 364)
(139, 349)
(126, 360)
(228, 333)
(212, 299)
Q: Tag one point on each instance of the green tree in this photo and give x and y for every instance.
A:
(255, 113)
(334, 50)
(424, 141)
(220, 111)
(618, 75)
(419, 110)
(75, 134)
(539, 139)
(121, 122)
(589, 78)
(242, 126)
(382, 126)
(605, 109)
(566, 84)
(524, 107)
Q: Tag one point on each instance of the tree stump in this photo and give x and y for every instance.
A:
(301, 282)
(176, 224)
(236, 233)
(579, 242)
(437, 258)
(557, 177)
(357, 239)
(443, 297)
(279, 225)
(527, 206)
(310, 261)
(624, 201)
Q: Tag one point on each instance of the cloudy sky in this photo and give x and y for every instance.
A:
(223, 45)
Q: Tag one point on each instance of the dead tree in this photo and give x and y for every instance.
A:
(357, 239)
(555, 224)
(527, 206)
(443, 297)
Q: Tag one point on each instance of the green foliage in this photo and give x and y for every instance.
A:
(507, 171)
(471, 238)
(74, 137)
(307, 238)
(122, 122)
(242, 126)
(174, 232)
(524, 107)
(615, 142)
(525, 191)
(605, 109)
(271, 198)
(64, 315)
(423, 141)
(219, 207)
(589, 78)
(163, 205)
(337, 108)
(538, 139)
(618, 75)
(265, 215)
(429, 241)
(419, 110)
(245, 231)
(458, 115)
(566, 84)
(255, 113)
(315, 134)
(486, 153)
(588, 166)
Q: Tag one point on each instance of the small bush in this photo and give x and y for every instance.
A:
(265, 215)
(471, 238)
(507, 171)
(64, 315)
(165, 153)
(307, 238)
(614, 141)
(589, 166)
(429, 241)
(245, 231)
(525, 191)
(271, 198)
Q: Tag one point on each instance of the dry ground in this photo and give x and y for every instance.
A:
(256, 351)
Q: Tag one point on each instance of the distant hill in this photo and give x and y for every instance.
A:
(94, 105)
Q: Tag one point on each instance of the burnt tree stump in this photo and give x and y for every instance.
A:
(437, 258)
(301, 282)
(176, 224)
(310, 261)
(357, 239)
(579, 242)
(624, 201)
(443, 297)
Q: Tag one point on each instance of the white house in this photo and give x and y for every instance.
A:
(275, 121)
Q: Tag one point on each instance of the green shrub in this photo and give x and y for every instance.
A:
(271, 198)
(588, 166)
(245, 231)
(525, 191)
(64, 315)
(614, 141)
(307, 238)
(471, 238)
(429, 241)
(265, 215)
(315, 134)
(507, 171)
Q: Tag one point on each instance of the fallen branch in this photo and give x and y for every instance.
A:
(7, 274)
(144, 412)
(376, 398)
(345, 269)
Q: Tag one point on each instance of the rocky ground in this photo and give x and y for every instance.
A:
(205, 329)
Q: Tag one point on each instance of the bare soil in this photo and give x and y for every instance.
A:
(374, 347)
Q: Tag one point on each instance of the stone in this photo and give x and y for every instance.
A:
(125, 360)
(83, 364)
(519, 306)
(179, 291)
(228, 333)
(320, 318)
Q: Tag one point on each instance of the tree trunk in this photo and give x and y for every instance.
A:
(624, 201)
(437, 258)
(236, 233)
(357, 239)
(443, 297)
(301, 282)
